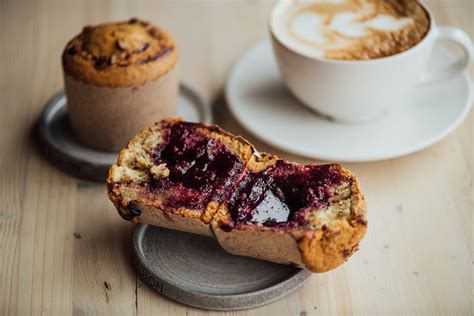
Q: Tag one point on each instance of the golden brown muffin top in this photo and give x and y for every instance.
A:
(120, 54)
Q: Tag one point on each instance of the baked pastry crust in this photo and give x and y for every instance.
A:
(121, 54)
(330, 235)
(329, 245)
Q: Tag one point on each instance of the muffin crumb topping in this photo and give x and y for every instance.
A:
(106, 48)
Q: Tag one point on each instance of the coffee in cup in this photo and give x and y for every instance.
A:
(354, 60)
(352, 29)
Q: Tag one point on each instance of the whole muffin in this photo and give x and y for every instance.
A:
(119, 78)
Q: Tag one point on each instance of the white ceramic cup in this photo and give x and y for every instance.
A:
(361, 90)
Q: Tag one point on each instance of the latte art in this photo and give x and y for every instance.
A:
(351, 29)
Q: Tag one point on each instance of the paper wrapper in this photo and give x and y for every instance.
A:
(105, 118)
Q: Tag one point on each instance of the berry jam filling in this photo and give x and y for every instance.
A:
(201, 169)
(282, 194)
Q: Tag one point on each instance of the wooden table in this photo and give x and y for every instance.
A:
(64, 250)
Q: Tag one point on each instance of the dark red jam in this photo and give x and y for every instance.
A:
(201, 168)
(282, 194)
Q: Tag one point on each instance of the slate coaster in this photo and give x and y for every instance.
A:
(194, 270)
(60, 147)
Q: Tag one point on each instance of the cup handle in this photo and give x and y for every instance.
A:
(461, 39)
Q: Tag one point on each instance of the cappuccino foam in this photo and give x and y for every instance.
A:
(350, 29)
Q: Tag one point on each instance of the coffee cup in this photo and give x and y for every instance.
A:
(360, 85)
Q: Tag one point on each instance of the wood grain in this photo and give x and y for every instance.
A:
(63, 249)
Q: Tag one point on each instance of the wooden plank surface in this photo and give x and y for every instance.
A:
(63, 249)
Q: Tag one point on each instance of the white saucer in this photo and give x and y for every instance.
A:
(259, 100)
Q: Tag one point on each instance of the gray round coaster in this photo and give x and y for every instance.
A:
(194, 270)
(65, 152)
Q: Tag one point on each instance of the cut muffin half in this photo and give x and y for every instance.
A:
(200, 179)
